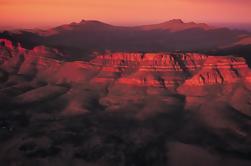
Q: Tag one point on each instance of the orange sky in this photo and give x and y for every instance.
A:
(43, 13)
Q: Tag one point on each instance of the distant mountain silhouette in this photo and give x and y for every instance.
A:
(79, 40)
(176, 25)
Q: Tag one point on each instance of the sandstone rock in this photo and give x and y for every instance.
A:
(163, 70)
(220, 70)
(6, 43)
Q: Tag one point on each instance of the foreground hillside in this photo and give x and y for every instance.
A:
(123, 108)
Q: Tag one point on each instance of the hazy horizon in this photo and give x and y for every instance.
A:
(45, 13)
(231, 25)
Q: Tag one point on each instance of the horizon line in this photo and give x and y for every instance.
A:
(230, 25)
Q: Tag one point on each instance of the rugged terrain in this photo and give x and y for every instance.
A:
(123, 108)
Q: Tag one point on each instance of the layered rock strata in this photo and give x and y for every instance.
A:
(164, 70)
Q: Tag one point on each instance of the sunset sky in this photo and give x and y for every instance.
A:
(47, 13)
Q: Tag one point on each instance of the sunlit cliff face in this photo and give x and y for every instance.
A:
(27, 13)
(123, 79)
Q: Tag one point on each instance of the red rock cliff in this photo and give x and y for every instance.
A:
(166, 70)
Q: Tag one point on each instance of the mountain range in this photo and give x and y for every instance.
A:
(79, 40)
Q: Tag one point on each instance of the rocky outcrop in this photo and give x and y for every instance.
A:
(149, 69)
(6, 43)
(41, 63)
(165, 70)
(171, 70)
(220, 70)
(122, 81)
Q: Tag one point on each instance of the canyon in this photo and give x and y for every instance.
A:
(144, 69)
(159, 74)
(116, 105)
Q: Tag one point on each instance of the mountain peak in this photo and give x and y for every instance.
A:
(91, 22)
(176, 25)
(176, 21)
(83, 21)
